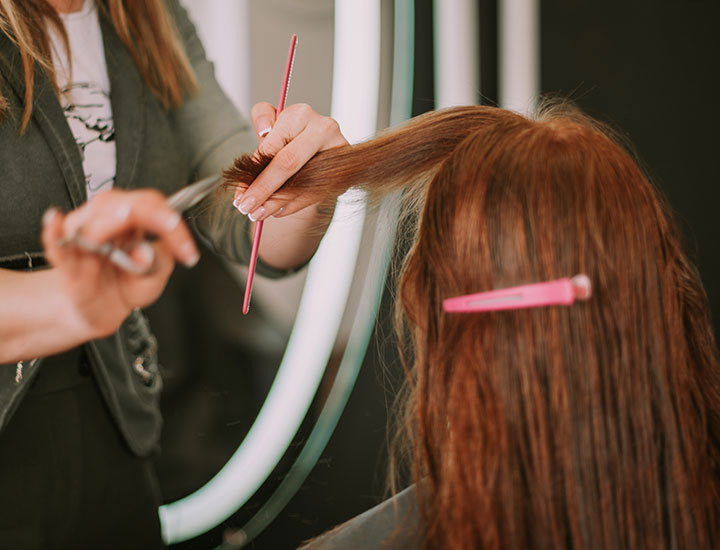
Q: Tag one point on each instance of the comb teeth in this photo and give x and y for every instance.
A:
(289, 64)
(290, 72)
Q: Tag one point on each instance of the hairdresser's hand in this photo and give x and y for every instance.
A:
(100, 295)
(292, 140)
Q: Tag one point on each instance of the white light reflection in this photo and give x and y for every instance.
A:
(519, 54)
(355, 100)
(457, 53)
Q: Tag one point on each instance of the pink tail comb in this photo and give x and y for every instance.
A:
(259, 225)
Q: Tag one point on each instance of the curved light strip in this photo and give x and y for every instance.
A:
(519, 55)
(403, 61)
(457, 56)
(342, 387)
(355, 99)
(224, 26)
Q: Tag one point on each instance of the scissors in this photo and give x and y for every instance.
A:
(180, 201)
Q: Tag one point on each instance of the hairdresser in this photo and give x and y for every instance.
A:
(106, 107)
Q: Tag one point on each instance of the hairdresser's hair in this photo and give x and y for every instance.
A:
(590, 426)
(144, 26)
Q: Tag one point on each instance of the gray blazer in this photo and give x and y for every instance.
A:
(155, 148)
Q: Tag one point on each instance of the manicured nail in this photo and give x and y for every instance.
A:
(258, 214)
(173, 221)
(278, 212)
(266, 127)
(191, 254)
(49, 216)
(237, 203)
(246, 206)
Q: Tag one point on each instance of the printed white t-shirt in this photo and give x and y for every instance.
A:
(85, 95)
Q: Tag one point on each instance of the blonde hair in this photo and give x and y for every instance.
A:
(146, 28)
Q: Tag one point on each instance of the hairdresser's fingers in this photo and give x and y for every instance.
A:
(268, 209)
(112, 211)
(263, 117)
(276, 204)
(278, 207)
(155, 258)
(52, 233)
(302, 119)
(298, 134)
(80, 267)
(116, 214)
(71, 259)
(144, 290)
(137, 257)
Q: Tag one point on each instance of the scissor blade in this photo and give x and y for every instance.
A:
(181, 200)
(189, 196)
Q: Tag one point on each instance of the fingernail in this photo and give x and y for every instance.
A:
(236, 202)
(49, 216)
(266, 127)
(146, 253)
(191, 254)
(259, 214)
(278, 212)
(122, 212)
(173, 221)
(247, 205)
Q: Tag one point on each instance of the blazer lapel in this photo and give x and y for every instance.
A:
(48, 115)
(127, 98)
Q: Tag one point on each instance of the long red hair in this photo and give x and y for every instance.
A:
(590, 426)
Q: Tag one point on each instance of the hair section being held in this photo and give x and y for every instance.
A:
(405, 158)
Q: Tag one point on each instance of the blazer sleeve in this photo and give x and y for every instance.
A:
(215, 133)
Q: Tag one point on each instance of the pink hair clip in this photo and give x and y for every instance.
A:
(561, 292)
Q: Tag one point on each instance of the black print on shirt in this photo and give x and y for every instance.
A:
(85, 106)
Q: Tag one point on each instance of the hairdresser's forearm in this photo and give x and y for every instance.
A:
(36, 317)
(292, 240)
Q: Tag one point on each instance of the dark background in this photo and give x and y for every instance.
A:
(649, 69)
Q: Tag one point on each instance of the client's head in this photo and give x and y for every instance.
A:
(594, 425)
(581, 426)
